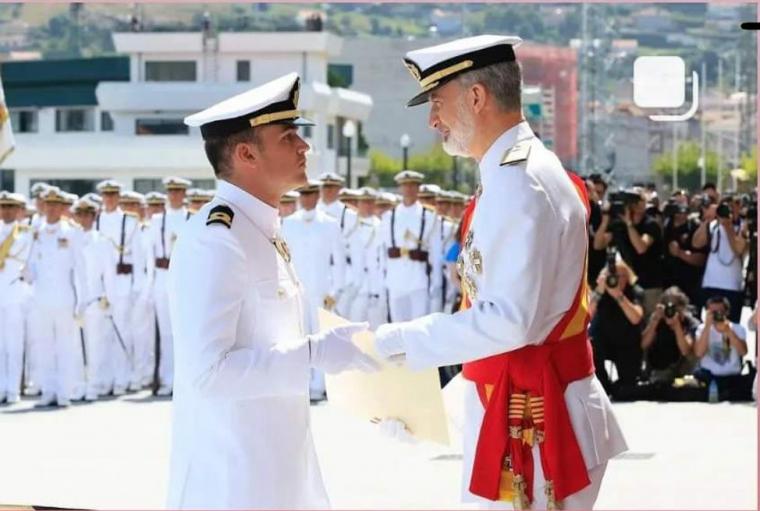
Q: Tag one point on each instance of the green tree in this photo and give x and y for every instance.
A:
(689, 171)
(434, 163)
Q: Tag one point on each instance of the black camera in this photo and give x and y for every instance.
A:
(670, 310)
(617, 205)
(612, 279)
(718, 317)
(671, 208)
(724, 211)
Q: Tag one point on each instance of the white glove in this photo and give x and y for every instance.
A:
(394, 428)
(388, 341)
(332, 350)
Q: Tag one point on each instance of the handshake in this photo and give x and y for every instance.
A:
(332, 350)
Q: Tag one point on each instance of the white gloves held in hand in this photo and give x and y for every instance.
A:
(389, 343)
(332, 350)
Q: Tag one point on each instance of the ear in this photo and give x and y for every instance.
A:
(478, 97)
(244, 154)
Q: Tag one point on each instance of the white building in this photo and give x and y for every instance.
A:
(130, 127)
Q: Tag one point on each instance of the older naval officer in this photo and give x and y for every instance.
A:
(241, 433)
(539, 428)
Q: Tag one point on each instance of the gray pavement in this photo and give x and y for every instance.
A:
(114, 454)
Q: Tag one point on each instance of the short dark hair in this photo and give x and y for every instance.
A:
(720, 299)
(709, 186)
(218, 149)
(503, 80)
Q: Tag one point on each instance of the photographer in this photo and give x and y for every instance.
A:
(720, 346)
(638, 238)
(615, 333)
(683, 263)
(724, 235)
(668, 339)
(596, 188)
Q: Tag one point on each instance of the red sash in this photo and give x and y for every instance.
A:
(523, 395)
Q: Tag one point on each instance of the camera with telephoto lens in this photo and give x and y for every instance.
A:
(718, 317)
(671, 208)
(612, 279)
(670, 310)
(724, 211)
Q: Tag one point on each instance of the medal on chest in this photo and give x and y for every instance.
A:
(282, 248)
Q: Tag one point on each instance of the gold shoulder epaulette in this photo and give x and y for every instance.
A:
(517, 153)
(221, 214)
(24, 228)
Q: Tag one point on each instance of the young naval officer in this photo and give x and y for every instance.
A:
(241, 427)
(539, 428)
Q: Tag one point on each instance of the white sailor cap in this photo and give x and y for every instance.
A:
(311, 186)
(38, 188)
(206, 194)
(435, 65)
(131, 197)
(289, 197)
(69, 198)
(445, 196)
(386, 198)
(348, 194)
(275, 102)
(109, 186)
(155, 198)
(19, 198)
(93, 197)
(408, 176)
(176, 183)
(53, 194)
(366, 193)
(6, 199)
(429, 191)
(331, 179)
(86, 204)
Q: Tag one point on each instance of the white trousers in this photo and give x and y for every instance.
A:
(144, 339)
(11, 348)
(166, 362)
(34, 343)
(409, 306)
(59, 351)
(122, 368)
(98, 371)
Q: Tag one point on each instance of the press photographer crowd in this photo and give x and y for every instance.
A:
(670, 279)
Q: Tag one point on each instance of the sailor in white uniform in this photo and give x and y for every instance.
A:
(241, 435)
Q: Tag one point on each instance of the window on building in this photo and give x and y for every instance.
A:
(7, 180)
(24, 121)
(330, 136)
(74, 119)
(244, 70)
(160, 127)
(170, 71)
(307, 132)
(106, 121)
(204, 184)
(146, 185)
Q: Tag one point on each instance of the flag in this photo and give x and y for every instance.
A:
(7, 142)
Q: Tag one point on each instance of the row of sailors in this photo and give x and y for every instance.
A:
(83, 281)
(372, 256)
(83, 291)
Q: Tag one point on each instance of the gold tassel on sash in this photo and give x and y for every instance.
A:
(5, 246)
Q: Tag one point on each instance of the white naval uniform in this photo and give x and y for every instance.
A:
(530, 263)
(56, 267)
(144, 315)
(98, 367)
(13, 294)
(315, 241)
(165, 229)
(365, 247)
(32, 322)
(241, 434)
(347, 221)
(442, 291)
(408, 283)
(121, 290)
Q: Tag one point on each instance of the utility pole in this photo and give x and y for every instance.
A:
(703, 127)
(584, 89)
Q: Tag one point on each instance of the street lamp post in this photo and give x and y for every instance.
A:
(405, 142)
(349, 132)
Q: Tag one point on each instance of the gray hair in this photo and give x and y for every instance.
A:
(503, 81)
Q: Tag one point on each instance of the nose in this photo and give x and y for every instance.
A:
(433, 120)
(303, 146)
